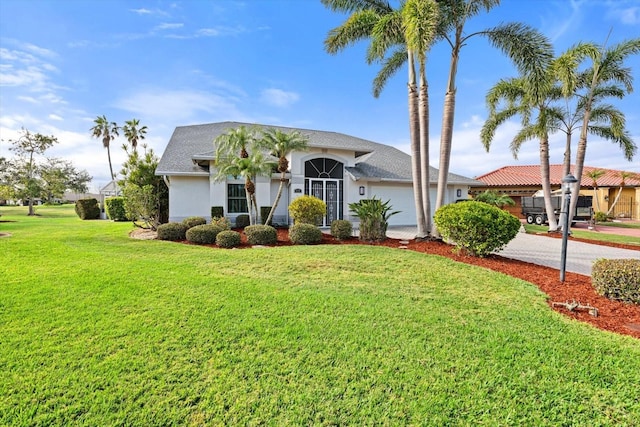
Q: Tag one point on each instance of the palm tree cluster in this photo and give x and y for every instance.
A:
(252, 152)
(405, 35)
(563, 95)
(107, 131)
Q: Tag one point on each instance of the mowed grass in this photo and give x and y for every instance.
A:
(100, 329)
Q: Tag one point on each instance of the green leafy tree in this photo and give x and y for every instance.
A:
(134, 132)
(146, 195)
(106, 131)
(281, 145)
(27, 147)
(60, 175)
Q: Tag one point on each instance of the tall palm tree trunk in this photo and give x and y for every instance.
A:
(277, 200)
(414, 126)
(446, 135)
(425, 179)
(546, 186)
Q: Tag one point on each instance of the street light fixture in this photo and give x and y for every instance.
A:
(567, 185)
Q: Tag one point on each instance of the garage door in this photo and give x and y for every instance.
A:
(401, 198)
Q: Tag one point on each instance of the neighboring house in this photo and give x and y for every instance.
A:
(518, 181)
(337, 168)
(110, 190)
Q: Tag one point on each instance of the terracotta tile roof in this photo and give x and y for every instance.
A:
(529, 175)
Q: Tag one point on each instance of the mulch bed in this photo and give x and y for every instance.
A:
(612, 316)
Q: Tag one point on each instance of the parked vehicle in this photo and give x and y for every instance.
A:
(534, 211)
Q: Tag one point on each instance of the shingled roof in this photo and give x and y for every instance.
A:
(374, 162)
(529, 175)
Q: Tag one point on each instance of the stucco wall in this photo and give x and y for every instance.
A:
(189, 196)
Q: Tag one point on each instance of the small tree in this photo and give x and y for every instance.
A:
(28, 146)
(146, 195)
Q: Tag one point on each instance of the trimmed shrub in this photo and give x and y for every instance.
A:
(307, 210)
(173, 231)
(115, 208)
(228, 239)
(264, 213)
(261, 234)
(87, 209)
(341, 229)
(192, 221)
(601, 217)
(305, 234)
(617, 279)
(242, 221)
(221, 222)
(204, 234)
(476, 227)
(217, 211)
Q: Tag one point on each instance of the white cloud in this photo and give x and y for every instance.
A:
(177, 106)
(221, 31)
(278, 97)
(168, 26)
(55, 117)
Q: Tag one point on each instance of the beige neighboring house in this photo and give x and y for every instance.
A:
(337, 168)
(518, 181)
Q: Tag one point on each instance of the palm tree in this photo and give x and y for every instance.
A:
(383, 25)
(281, 145)
(492, 197)
(248, 168)
(526, 96)
(235, 140)
(594, 175)
(106, 131)
(133, 132)
(607, 65)
(420, 21)
(526, 47)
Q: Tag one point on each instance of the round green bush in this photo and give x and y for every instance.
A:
(308, 210)
(261, 234)
(305, 234)
(204, 234)
(172, 231)
(242, 221)
(192, 221)
(341, 229)
(228, 239)
(476, 227)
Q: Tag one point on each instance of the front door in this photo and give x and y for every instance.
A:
(324, 180)
(327, 190)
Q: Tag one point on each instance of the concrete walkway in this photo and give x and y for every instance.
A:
(543, 250)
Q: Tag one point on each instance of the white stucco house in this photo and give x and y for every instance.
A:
(337, 168)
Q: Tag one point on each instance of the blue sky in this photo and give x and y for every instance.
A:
(175, 63)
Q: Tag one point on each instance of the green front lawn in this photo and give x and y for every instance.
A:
(100, 329)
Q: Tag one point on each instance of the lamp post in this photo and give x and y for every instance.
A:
(567, 184)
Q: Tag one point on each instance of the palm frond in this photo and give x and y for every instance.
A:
(389, 67)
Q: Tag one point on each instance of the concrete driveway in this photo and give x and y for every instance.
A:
(544, 250)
